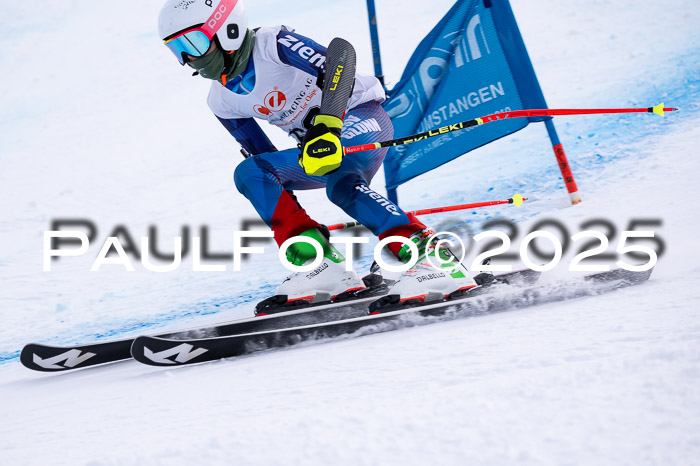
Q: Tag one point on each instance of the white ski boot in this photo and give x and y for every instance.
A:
(438, 275)
(327, 282)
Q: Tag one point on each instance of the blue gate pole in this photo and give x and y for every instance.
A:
(391, 194)
(376, 56)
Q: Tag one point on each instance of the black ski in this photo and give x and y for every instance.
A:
(47, 358)
(171, 352)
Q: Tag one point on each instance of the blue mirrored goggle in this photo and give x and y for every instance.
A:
(193, 42)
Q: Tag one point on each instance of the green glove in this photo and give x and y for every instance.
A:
(321, 151)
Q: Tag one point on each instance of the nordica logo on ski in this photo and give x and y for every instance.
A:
(301, 49)
(378, 197)
(184, 354)
(72, 358)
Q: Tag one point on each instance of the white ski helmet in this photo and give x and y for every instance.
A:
(224, 19)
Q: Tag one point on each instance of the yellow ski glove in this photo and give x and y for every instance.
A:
(321, 151)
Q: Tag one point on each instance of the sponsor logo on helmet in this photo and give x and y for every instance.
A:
(216, 17)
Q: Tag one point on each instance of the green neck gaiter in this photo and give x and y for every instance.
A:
(209, 66)
(241, 56)
(218, 62)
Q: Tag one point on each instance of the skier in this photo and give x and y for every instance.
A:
(278, 75)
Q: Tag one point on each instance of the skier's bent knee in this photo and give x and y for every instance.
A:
(339, 191)
(244, 172)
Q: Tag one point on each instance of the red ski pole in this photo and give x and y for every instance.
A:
(517, 200)
(658, 109)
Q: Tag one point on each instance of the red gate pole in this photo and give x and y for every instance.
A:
(563, 163)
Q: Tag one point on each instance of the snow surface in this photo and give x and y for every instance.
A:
(99, 122)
